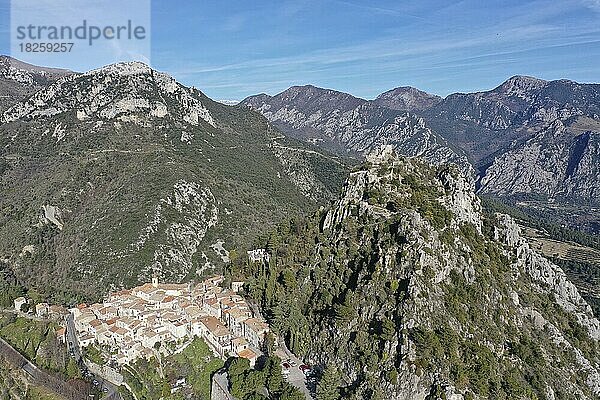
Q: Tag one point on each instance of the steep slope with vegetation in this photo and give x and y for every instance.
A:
(576, 252)
(36, 341)
(263, 382)
(404, 289)
(113, 174)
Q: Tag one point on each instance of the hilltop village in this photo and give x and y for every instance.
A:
(136, 323)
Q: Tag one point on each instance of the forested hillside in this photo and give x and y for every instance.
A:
(404, 289)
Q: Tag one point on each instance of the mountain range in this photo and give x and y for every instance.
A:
(79, 150)
(351, 126)
(525, 139)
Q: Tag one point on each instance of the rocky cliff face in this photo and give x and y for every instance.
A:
(19, 80)
(113, 174)
(484, 123)
(126, 92)
(555, 163)
(349, 125)
(410, 292)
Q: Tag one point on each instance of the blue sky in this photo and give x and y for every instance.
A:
(232, 49)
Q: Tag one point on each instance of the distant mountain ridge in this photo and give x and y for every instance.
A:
(346, 124)
(406, 98)
(19, 80)
(490, 127)
(559, 165)
(484, 123)
(528, 137)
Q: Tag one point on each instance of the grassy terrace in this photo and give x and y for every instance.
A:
(33, 338)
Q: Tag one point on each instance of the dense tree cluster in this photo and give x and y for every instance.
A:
(10, 289)
(263, 382)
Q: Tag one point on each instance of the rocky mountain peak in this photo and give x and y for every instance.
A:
(19, 80)
(381, 155)
(325, 99)
(407, 98)
(520, 86)
(256, 100)
(129, 92)
(488, 122)
(439, 299)
(392, 177)
(123, 69)
(11, 66)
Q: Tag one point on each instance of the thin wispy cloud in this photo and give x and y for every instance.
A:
(386, 48)
(381, 10)
(239, 48)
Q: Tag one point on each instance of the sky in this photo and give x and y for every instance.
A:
(231, 49)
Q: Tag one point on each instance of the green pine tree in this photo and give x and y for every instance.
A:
(328, 387)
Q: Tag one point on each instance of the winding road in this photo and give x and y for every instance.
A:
(38, 376)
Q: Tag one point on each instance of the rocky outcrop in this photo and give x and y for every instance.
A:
(52, 215)
(176, 230)
(549, 277)
(426, 296)
(19, 80)
(142, 93)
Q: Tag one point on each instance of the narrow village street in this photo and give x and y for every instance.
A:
(110, 390)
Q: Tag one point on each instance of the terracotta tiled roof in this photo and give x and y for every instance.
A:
(95, 323)
(248, 353)
(215, 326)
(145, 288)
(256, 324)
(173, 286)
